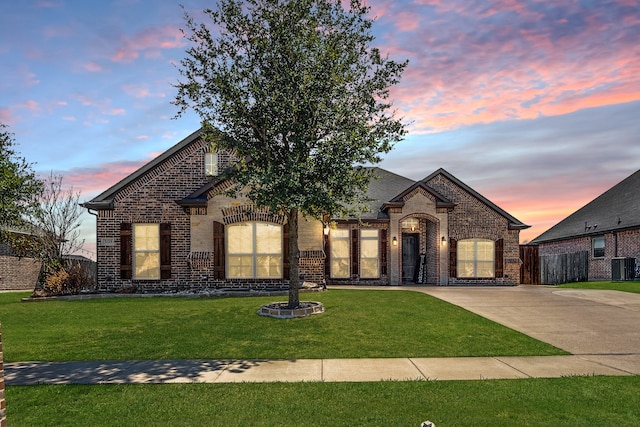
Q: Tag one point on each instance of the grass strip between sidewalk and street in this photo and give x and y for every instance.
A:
(568, 401)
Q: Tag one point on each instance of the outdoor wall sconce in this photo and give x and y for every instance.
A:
(326, 230)
(394, 242)
(444, 240)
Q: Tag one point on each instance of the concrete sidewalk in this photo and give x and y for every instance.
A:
(327, 370)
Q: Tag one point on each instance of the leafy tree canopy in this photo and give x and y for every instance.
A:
(297, 88)
(19, 186)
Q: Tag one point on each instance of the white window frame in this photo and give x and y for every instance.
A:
(137, 228)
(254, 251)
(211, 164)
(364, 237)
(595, 245)
(475, 260)
(340, 236)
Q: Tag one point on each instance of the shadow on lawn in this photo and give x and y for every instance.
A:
(124, 372)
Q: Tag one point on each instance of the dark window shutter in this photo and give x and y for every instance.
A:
(327, 259)
(218, 251)
(285, 251)
(126, 246)
(383, 252)
(355, 265)
(165, 251)
(453, 259)
(499, 257)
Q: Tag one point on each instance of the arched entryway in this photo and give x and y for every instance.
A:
(419, 249)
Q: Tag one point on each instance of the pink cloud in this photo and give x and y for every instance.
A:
(138, 91)
(6, 116)
(468, 67)
(93, 67)
(149, 41)
(99, 178)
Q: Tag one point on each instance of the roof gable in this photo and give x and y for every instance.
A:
(104, 200)
(514, 223)
(616, 209)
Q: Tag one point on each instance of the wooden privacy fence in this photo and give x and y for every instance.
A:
(564, 268)
(530, 267)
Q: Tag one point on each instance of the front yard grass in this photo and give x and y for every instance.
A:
(569, 401)
(356, 324)
(630, 286)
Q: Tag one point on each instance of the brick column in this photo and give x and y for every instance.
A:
(3, 404)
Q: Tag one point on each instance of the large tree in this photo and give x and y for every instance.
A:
(19, 186)
(300, 95)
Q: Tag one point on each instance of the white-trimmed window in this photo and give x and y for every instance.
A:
(476, 258)
(254, 250)
(369, 253)
(598, 246)
(339, 253)
(211, 164)
(146, 251)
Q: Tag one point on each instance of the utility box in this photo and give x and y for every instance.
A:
(623, 269)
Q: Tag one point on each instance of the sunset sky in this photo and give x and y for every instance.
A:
(534, 104)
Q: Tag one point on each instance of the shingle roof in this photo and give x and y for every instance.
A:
(614, 210)
(383, 187)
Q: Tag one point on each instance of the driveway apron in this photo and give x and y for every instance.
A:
(580, 321)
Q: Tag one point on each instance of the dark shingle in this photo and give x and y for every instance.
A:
(616, 209)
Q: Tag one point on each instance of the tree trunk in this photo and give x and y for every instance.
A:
(294, 256)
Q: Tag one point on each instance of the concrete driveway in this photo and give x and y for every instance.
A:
(582, 322)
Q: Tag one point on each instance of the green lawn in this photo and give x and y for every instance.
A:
(356, 324)
(362, 323)
(571, 401)
(633, 286)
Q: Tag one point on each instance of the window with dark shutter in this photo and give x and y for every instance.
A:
(453, 260)
(383, 252)
(499, 257)
(165, 251)
(355, 265)
(125, 250)
(218, 251)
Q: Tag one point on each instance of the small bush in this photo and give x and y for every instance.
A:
(64, 281)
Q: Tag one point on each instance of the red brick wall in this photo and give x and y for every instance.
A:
(151, 199)
(628, 245)
(473, 219)
(18, 273)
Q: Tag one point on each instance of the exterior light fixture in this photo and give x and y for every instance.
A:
(326, 229)
(395, 241)
(444, 240)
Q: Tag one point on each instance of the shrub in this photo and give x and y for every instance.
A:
(64, 281)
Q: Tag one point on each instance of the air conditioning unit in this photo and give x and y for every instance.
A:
(623, 269)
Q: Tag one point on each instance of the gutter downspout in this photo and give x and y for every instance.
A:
(97, 246)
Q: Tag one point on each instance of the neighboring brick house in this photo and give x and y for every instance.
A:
(607, 227)
(17, 272)
(170, 225)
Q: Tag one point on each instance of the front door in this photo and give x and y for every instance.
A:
(410, 257)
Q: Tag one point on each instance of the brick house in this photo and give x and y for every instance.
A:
(608, 227)
(17, 272)
(170, 225)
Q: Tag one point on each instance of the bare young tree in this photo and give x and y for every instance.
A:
(59, 219)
